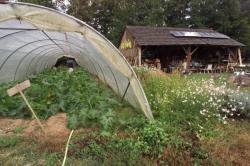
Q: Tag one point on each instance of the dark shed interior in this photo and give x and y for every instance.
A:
(173, 56)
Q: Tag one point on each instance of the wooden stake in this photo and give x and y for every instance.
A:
(19, 89)
(32, 111)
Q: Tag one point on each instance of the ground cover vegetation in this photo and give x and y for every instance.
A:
(53, 91)
(190, 113)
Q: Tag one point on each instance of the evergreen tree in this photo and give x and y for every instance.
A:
(176, 12)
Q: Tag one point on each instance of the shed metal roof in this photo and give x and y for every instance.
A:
(155, 36)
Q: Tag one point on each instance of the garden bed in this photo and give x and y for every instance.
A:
(190, 117)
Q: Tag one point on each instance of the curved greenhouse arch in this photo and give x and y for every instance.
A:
(33, 38)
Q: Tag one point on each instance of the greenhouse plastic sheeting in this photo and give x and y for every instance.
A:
(33, 38)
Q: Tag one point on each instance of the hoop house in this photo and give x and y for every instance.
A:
(33, 38)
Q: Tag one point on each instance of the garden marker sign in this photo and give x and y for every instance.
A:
(19, 89)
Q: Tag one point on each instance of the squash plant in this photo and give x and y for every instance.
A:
(87, 102)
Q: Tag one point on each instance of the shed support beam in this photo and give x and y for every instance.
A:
(139, 56)
(239, 56)
(189, 52)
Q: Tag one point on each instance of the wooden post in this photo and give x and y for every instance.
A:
(239, 56)
(139, 56)
(189, 54)
(189, 57)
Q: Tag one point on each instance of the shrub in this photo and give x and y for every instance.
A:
(87, 102)
(237, 105)
(54, 91)
(152, 139)
(124, 152)
(87, 118)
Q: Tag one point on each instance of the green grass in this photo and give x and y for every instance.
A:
(9, 141)
(19, 129)
(23, 151)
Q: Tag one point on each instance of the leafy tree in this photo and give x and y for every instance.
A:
(110, 16)
(85, 10)
(224, 16)
(46, 3)
(245, 5)
(176, 12)
(135, 12)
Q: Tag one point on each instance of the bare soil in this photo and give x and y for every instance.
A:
(54, 137)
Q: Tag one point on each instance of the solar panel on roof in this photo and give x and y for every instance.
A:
(199, 34)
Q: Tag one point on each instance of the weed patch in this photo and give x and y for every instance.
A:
(9, 141)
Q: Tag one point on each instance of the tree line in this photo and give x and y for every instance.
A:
(231, 17)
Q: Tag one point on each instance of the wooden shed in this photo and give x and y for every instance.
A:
(167, 48)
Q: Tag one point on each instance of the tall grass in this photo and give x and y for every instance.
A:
(181, 104)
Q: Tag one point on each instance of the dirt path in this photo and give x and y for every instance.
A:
(56, 131)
